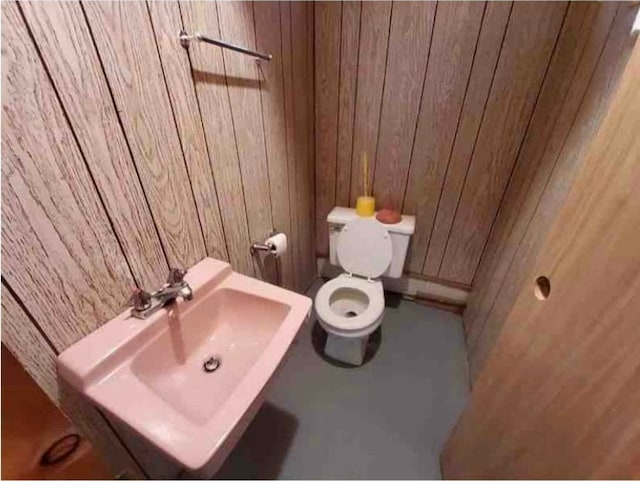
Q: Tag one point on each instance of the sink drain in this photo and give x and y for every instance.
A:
(212, 364)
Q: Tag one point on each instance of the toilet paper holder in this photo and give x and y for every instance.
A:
(263, 246)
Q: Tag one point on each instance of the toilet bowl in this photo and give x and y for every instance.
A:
(351, 306)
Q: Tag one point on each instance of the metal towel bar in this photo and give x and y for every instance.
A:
(185, 38)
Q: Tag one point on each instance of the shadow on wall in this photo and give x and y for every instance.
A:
(263, 448)
(218, 79)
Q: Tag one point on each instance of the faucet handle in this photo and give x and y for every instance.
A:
(140, 299)
(176, 276)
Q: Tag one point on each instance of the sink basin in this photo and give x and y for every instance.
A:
(190, 377)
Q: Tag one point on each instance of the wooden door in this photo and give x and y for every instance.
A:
(31, 425)
(559, 396)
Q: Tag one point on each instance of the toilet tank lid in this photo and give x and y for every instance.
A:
(343, 215)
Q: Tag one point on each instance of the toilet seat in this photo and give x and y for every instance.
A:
(360, 325)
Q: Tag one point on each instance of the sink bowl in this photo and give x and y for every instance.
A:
(190, 377)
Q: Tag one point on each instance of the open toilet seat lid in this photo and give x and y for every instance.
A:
(364, 248)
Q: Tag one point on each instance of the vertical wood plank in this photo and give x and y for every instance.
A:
(287, 71)
(268, 39)
(454, 41)
(579, 47)
(529, 42)
(303, 115)
(62, 36)
(349, 47)
(409, 47)
(327, 58)
(60, 252)
(124, 38)
(487, 52)
(165, 18)
(592, 110)
(372, 61)
(311, 135)
(213, 97)
(237, 26)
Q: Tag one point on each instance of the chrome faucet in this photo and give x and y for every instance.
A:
(144, 303)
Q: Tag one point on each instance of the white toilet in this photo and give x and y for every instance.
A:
(351, 306)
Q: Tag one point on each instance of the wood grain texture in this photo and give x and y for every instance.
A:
(60, 252)
(302, 32)
(327, 59)
(592, 110)
(287, 73)
(372, 62)
(455, 35)
(126, 45)
(452, 102)
(529, 42)
(349, 47)
(579, 46)
(237, 26)
(409, 47)
(311, 138)
(165, 17)
(211, 88)
(268, 39)
(311, 135)
(488, 49)
(65, 44)
(559, 396)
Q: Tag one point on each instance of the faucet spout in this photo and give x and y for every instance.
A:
(169, 293)
(145, 304)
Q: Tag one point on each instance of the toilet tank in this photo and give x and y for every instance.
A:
(400, 234)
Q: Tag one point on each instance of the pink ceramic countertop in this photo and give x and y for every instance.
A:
(148, 373)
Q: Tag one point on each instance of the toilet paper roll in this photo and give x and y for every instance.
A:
(278, 244)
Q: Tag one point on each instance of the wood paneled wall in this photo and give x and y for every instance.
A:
(451, 101)
(475, 118)
(124, 154)
(583, 75)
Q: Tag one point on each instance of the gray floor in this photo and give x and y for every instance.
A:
(386, 419)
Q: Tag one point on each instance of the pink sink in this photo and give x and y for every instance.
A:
(151, 373)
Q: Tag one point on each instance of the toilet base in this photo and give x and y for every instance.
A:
(346, 349)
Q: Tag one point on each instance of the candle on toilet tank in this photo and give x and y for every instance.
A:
(365, 206)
